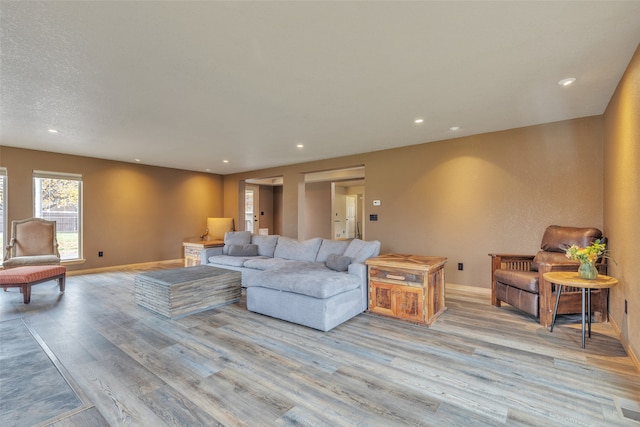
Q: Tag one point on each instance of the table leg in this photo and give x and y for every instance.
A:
(589, 307)
(583, 319)
(555, 308)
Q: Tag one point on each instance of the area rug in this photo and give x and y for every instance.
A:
(32, 389)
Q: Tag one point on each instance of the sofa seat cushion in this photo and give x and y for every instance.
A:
(265, 263)
(232, 261)
(317, 282)
(525, 280)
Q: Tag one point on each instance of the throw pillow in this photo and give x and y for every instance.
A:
(338, 262)
(243, 250)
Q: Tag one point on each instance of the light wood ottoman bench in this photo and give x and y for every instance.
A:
(25, 277)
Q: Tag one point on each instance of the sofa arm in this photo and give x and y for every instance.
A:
(360, 270)
(206, 253)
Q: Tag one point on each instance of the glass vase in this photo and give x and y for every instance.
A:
(588, 270)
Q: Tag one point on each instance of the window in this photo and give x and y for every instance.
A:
(58, 197)
(3, 210)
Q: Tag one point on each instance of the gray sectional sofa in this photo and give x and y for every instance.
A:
(319, 283)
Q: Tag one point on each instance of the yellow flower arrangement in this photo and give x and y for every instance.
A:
(588, 257)
(587, 254)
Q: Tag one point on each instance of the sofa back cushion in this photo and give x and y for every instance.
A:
(305, 250)
(329, 246)
(557, 238)
(359, 250)
(235, 238)
(266, 244)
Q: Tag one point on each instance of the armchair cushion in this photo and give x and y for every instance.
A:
(525, 280)
(558, 238)
(23, 261)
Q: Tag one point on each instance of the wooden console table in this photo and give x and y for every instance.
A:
(408, 287)
(192, 250)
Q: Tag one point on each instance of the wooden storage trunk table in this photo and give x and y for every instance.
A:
(183, 291)
(409, 287)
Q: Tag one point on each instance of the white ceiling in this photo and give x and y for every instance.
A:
(189, 84)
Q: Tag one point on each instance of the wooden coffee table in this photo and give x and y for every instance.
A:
(571, 278)
(182, 291)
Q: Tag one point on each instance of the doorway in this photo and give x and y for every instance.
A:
(251, 203)
(347, 210)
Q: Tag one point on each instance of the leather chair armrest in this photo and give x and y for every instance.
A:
(508, 261)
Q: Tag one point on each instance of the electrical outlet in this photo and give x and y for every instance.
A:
(460, 266)
(100, 253)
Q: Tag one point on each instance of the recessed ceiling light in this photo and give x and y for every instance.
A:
(455, 128)
(418, 121)
(207, 170)
(300, 145)
(53, 131)
(567, 81)
(225, 161)
(137, 160)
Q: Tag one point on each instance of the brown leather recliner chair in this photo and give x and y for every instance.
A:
(518, 279)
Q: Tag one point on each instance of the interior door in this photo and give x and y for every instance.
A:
(351, 217)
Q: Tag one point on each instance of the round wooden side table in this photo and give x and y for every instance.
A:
(571, 278)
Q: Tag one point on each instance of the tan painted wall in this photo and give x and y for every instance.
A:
(133, 213)
(622, 200)
(318, 210)
(277, 210)
(467, 197)
(265, 211)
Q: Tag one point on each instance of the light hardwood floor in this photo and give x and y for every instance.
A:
(476, 365)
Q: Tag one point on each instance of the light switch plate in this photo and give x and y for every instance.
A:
(376, 203)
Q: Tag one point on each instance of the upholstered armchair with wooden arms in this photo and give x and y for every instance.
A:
(518, 279)
(33, 242)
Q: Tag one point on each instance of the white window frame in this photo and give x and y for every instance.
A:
(63, 176)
